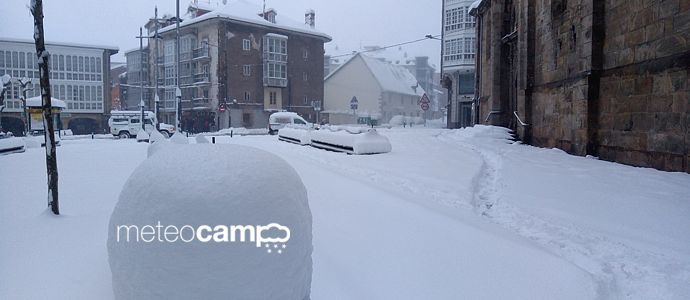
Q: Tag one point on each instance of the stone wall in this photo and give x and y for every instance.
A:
(643, 110)
(606, 78)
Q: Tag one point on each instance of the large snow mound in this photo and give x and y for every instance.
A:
(213, 185)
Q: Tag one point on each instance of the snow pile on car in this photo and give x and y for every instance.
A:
(214, 185)
(293, 134)
(350, 140)
(12, 145)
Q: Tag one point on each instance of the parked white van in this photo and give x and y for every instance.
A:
(278, 120)
(126, 124)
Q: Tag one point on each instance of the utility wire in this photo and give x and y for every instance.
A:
(428, 37)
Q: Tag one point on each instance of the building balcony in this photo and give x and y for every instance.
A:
(185, 56)
(275, 82)
(202, 78)
(201, 54)
(202, 101)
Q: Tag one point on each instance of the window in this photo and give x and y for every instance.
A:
(298, 121)
(305, 76)
(247, 97)
(306, 100)
(246, 45)
(458, 18)
(305, 54)
(273, 98)
(247, 70)
(246, 120)
(460, 49)
(466, 83)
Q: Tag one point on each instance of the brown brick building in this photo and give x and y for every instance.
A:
(602, 77)
(238, 65)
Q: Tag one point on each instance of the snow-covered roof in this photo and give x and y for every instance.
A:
(401, 55)
(393, 78)
(243, 11)
(474, 6)
(50, 43)
(38, 102)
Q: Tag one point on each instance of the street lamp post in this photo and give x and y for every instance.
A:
(178, 108)
(24, 82)
(178, 92)
(155, 71)
(5, 81)
(141, 77)
(157, 104)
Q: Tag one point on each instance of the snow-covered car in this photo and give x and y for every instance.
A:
(278, 121)
(126, 124)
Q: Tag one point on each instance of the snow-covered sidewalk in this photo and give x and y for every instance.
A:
(445, 215)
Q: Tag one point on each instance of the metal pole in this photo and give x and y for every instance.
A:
(155, 93)
(178, 92)
(443, 44)
(141, 77)
(25, 116)
(4, 83)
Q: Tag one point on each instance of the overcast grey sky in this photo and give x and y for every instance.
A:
(116, 22)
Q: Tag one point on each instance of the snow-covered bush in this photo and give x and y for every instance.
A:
(205, 184)
(143, 136)
(179, 138)
(399, 120)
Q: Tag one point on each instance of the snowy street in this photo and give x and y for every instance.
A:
(447, 214)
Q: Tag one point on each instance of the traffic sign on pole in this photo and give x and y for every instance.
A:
(354, 103)
(425, 106)
(424, 99)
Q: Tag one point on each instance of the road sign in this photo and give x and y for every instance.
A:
(425, 106)
(424, 99)
(354, 103)
(316, 105)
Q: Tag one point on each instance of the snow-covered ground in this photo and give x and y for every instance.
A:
(445, 215)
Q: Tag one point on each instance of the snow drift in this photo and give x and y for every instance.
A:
(213, 185)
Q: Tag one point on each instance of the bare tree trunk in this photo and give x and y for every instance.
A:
(43, 58)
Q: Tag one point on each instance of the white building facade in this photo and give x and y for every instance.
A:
(458, 62)
(79, 75)
(382, 90)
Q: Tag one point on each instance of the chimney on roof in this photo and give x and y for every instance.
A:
(310, 18)
(270, 15)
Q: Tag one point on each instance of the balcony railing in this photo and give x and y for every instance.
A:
(200, 101)
(202, 78)
(202, 53)
(276, 82)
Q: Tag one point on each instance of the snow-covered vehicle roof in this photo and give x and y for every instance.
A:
(38, 102)
(148, 113)
(284, 114)
(243, 11)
